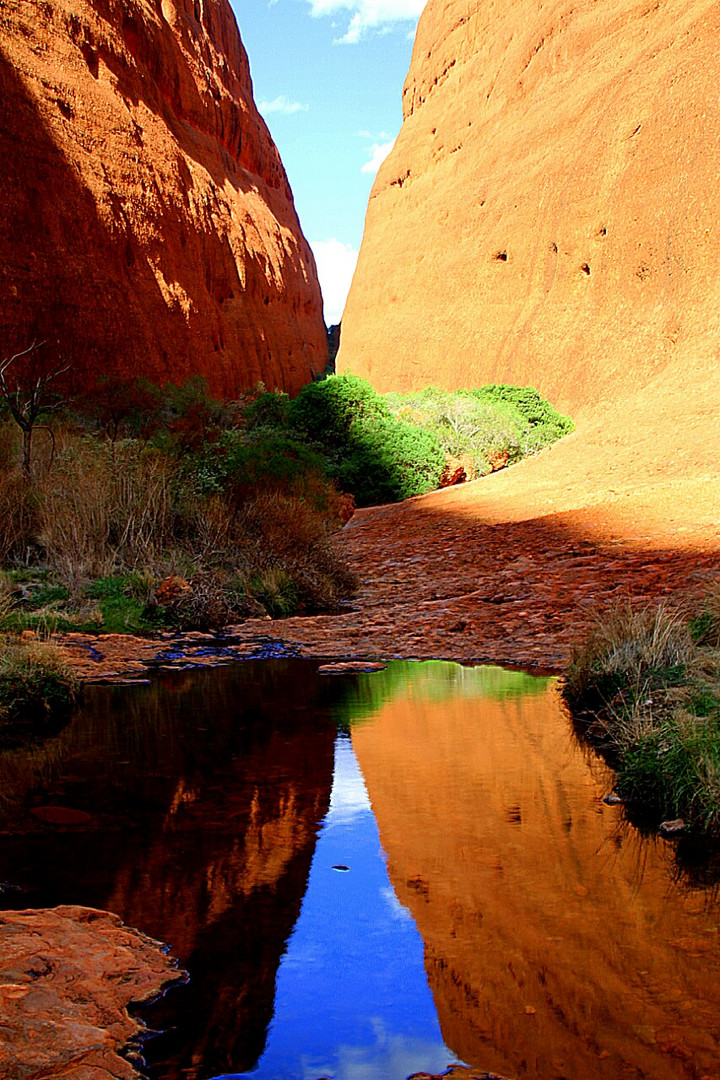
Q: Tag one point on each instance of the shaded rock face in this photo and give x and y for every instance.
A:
(549, 212)
(148, 225)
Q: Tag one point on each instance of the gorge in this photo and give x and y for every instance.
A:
(547, 217)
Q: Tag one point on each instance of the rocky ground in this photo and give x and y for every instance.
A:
(511, 569)
(67, 976)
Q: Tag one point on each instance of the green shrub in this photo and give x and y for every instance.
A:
(388, 460)
(324, 412)
(538, 413)
(465, 426)
(269, 410)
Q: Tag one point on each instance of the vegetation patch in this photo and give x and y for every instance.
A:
(645, 686)
(139, 486)
(38, 691)
(133, 507)
(383, 448)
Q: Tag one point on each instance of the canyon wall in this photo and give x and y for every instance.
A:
(147, 225)
(548, 215)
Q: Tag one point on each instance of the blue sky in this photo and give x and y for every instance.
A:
(327, 77)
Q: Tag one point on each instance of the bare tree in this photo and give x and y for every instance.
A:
(26, 386)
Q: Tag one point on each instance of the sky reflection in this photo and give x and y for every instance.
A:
(352, 999)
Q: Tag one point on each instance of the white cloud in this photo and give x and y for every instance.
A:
(378, 153)
(368, 16)
(336, 266)
(283, 105)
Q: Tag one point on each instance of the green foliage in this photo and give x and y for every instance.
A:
(373, 455)
(37, 691)
(121, 612)
(672, 766)
(150, 483)
(545, 422)
(267, 410)
(651, 695)
(467, 427)
(388, 460)
(325, 412)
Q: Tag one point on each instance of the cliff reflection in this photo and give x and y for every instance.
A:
(557, 941)
(204, 792)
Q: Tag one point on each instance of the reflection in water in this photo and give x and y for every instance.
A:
(205, 792)
(557, 942)
(352, 999)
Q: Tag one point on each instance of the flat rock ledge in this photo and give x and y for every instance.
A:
(67, 976)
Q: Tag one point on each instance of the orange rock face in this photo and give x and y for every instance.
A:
(556, 943)
(549, 212)
(67, 975)
(147, 224)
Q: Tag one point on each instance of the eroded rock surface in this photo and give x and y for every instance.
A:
(67, 975)
(548, 215)
(148, 226)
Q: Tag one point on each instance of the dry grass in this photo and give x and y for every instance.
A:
(651, 697)
(114, 510)
(625, 648)
(37, 690)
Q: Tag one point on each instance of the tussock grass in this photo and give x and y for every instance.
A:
(648, 693)
(37, 690)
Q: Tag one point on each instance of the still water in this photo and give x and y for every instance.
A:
(372, 875)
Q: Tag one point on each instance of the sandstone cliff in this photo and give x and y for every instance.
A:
(549, 212)
(147, 221)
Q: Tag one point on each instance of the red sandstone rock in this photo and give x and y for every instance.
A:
(549, 213)
(67, 975)
(453, 473)
(147, 221)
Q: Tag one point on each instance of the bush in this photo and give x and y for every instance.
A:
(651, 698)
(115, 515)
(389, 460)
(38, 691)
(325, 412)
(467, 427)
(630, 650)
(284, 536)
(544, 422)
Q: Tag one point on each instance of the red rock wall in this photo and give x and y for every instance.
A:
(549, 214)
(147, 222)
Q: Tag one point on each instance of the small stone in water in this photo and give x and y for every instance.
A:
(61, 815)
(673, 828)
